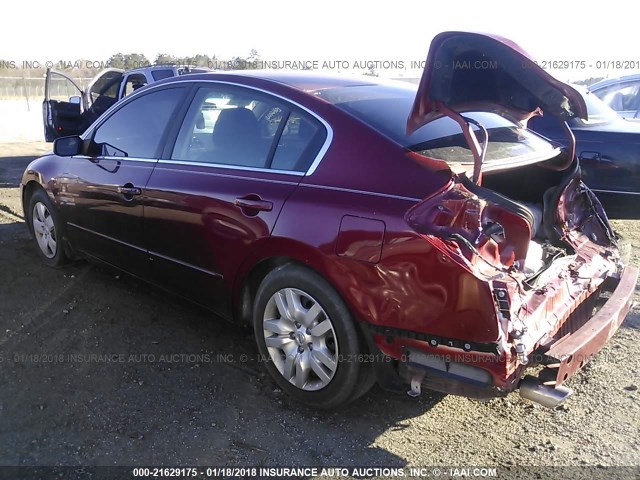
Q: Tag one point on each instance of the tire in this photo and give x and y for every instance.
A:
(46, 228)
(311, 345)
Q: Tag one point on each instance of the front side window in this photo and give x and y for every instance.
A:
(136, 129)
(61, 88)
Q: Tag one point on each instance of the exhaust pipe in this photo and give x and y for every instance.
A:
(533, 389)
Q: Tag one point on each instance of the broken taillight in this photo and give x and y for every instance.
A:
(484, 232)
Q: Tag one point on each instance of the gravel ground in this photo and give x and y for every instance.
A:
(168, 384)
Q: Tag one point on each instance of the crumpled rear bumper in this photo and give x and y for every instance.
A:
(570, 353)
(446, 367)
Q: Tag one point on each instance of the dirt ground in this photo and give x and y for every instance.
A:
(99, 369)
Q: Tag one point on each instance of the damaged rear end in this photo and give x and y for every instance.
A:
(550, 262)
(516, 216)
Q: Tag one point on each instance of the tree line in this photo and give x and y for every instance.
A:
(126, 61)
(135, 60)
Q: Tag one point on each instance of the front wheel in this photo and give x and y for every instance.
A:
(307, 338)
(46, 229)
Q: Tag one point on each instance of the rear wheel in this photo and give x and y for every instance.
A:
(307, 338)
(46, 229)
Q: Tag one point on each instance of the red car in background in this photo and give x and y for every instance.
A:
(368, 230)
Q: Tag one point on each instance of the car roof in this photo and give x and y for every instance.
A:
(614, 81)
(305, 81)
(310, 81)
(153, 68)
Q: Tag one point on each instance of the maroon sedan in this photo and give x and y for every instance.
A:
(367, 230)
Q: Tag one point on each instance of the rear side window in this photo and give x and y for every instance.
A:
(241, 127)
(301, 139)
(227, 126)
(134, 82)
(160, 74)
(136, 129)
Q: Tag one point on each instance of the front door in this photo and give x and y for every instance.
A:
(63, 107)
(106, 191)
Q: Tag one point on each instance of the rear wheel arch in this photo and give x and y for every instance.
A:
(264, 257)
(250, 277)
(248, 286)
(250, 283)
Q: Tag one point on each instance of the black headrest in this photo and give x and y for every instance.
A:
(236, 124)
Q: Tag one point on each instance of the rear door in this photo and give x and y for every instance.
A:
(608, 152)
(217, 193)
(63, 106)
(103, 199)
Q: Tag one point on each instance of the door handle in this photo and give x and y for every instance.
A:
(129, 191)
(253, 202)
(590, 156)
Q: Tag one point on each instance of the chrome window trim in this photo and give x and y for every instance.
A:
(232, 167)
(195, 164)
(319, 156)
(615, 191)
(101, 157)
(241, 177)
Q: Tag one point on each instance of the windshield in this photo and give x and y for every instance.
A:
(386, 108)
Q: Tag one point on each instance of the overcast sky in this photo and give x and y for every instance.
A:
(305, 30)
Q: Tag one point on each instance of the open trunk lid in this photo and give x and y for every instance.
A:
(475, 72)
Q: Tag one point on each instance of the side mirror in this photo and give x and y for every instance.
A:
(67, 146)
(76, 100)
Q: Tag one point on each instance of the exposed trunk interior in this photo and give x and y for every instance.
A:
(520, 220)
(537, 189)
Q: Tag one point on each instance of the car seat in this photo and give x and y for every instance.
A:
(237, 140)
